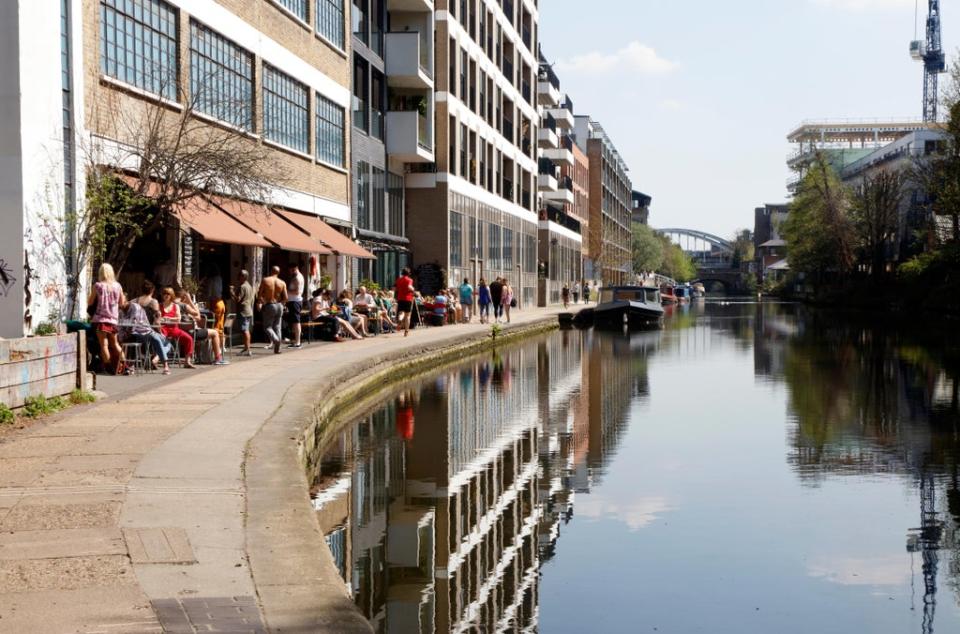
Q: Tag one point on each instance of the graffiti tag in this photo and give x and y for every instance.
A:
(6, 278)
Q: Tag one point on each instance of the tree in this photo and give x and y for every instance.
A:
(875, 214)
(647, 249)
(818, 231)
(743, 250)
(676, 263)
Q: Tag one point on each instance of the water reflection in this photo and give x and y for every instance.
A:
(764, 459)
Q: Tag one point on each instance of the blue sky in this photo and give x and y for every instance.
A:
(699, 95)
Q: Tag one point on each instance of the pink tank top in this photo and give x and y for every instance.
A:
(108, 303)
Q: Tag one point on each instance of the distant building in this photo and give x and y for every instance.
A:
(641, 207)
(770, 249)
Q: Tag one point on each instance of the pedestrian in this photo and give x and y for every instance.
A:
(403, 289)
(466, 300)
(565, 295)
(508, 300)
(271, 295)
(243, 297)
(575, 292)
(294, 304)
(483, 300)
(496, 298)
(586, 292)
(105, 299)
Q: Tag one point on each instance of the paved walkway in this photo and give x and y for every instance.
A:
(184, 507)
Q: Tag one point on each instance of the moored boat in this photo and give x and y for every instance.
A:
(636, 307)
(683, 294)
(667, 295)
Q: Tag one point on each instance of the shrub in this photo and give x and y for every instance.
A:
(79, 397)
(44, 329)
(6, 414)
(37, 406)
(372, 286)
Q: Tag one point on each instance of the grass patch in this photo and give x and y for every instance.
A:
(37, 406)
(81, 397)
(6, 415)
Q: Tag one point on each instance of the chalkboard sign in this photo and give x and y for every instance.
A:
(429, 279)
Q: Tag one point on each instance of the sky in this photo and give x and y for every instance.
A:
(699, 95)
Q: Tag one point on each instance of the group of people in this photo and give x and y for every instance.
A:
(567, 291)
(156, 324)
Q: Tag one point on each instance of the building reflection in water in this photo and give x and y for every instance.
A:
(440, 507)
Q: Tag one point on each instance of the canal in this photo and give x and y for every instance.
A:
(750, 468)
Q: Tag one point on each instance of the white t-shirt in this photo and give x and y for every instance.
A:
(366, 299)
(295, 288)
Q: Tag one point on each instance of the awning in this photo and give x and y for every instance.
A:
(214, 225)
(774, 243)
(270, 225)
(781, 265)
(339, 243)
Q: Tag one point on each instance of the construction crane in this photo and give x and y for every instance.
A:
(926, 540)
(930, 52)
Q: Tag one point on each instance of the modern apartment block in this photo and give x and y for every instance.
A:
(71, 72)
(611, 205)
(563, 184)
(393, 119)
(473, 213)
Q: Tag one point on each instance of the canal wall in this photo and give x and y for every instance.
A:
(293, 571)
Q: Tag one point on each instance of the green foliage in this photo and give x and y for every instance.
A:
(81, 397)
(36, 406)
(933, 267)
(875, 215)
(6, 414)
(818, 231)
(647, 249)
(372, 286)
(495, 331)
(743, 250)
(676, 263)
(44, 329)
(325, 281)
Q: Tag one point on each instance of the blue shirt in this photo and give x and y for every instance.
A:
(484, 295)
(466, 294)
(440, 305)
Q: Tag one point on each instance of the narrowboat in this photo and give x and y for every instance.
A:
(636, 307)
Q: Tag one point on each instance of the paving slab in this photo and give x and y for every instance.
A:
(61, 543)
(159, 546)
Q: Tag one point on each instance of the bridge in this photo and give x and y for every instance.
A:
(712, 254)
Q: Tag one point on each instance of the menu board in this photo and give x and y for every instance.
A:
(429, 279)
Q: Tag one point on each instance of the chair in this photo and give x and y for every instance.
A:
(228, 322)
(135, 357)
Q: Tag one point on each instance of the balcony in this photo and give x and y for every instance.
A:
(565, 221)
(409, 137)
(563, 113)
(563, 193)
(414, 6)
(408, 61)
(547, 135)
(547, 175)
(562, 154)
(548, 86)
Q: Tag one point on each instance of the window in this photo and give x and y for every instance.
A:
(296, 7)
(507, 249)
(493, 240)
(378, 99)
(361, 92)
(456, 239)
(362, 194)
(529, 254)
(330, 132)
(395, 203)
(474, 245)
(378, 203)
(286, 110)
(361, 27)
(377, 27)
(221, 77)
(329, 21)
(138, 44)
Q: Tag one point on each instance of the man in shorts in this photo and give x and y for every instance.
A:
(403, 289)
(244, 300)
(294, 304)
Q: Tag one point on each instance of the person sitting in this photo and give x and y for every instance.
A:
(137, 328)
(170, 320)
(384, 305)
(320, 307)
(345, 302)
(439, 315)
(454, 309)
(148, 302)
(189, 311)
(365, 304)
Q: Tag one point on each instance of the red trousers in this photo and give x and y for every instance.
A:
(184, 338)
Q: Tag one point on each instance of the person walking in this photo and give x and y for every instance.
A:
(483, 300)
(565, 295)
(496, 298)
(586, 292)
(294, 304)
(271, 295)
(466, 300)
(508, 299)
(105, 299)
(575, 292)
(243, 297)
(404, 292)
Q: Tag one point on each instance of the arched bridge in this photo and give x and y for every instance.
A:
(706, 249)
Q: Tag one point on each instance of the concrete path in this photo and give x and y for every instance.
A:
(184, 507)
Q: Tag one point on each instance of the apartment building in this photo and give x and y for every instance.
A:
(611, 205)
(393, 112)
(473, 212)
(563, 185)
(277, 72)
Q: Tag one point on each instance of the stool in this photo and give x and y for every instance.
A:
(133, 353)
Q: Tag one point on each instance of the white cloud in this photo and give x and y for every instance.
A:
(635, 514)
(672, 105)
(854, 571)
(865, 5)
(635, 56)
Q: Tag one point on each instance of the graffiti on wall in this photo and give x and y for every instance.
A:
(7, 279)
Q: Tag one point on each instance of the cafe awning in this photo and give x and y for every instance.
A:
(336, 241)
(274, 228)
(214, 225)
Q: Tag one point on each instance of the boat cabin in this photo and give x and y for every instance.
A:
(643, 295)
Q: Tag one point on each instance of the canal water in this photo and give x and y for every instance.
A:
(750, 468)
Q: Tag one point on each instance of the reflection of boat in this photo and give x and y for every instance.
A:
(633, 306)
(683, 293)
(666, 295)
(699, 290)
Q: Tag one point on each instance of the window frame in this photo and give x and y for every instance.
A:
(164, 25)
(271, 96)
(322, 122)
(333, 8)
(234, 51)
